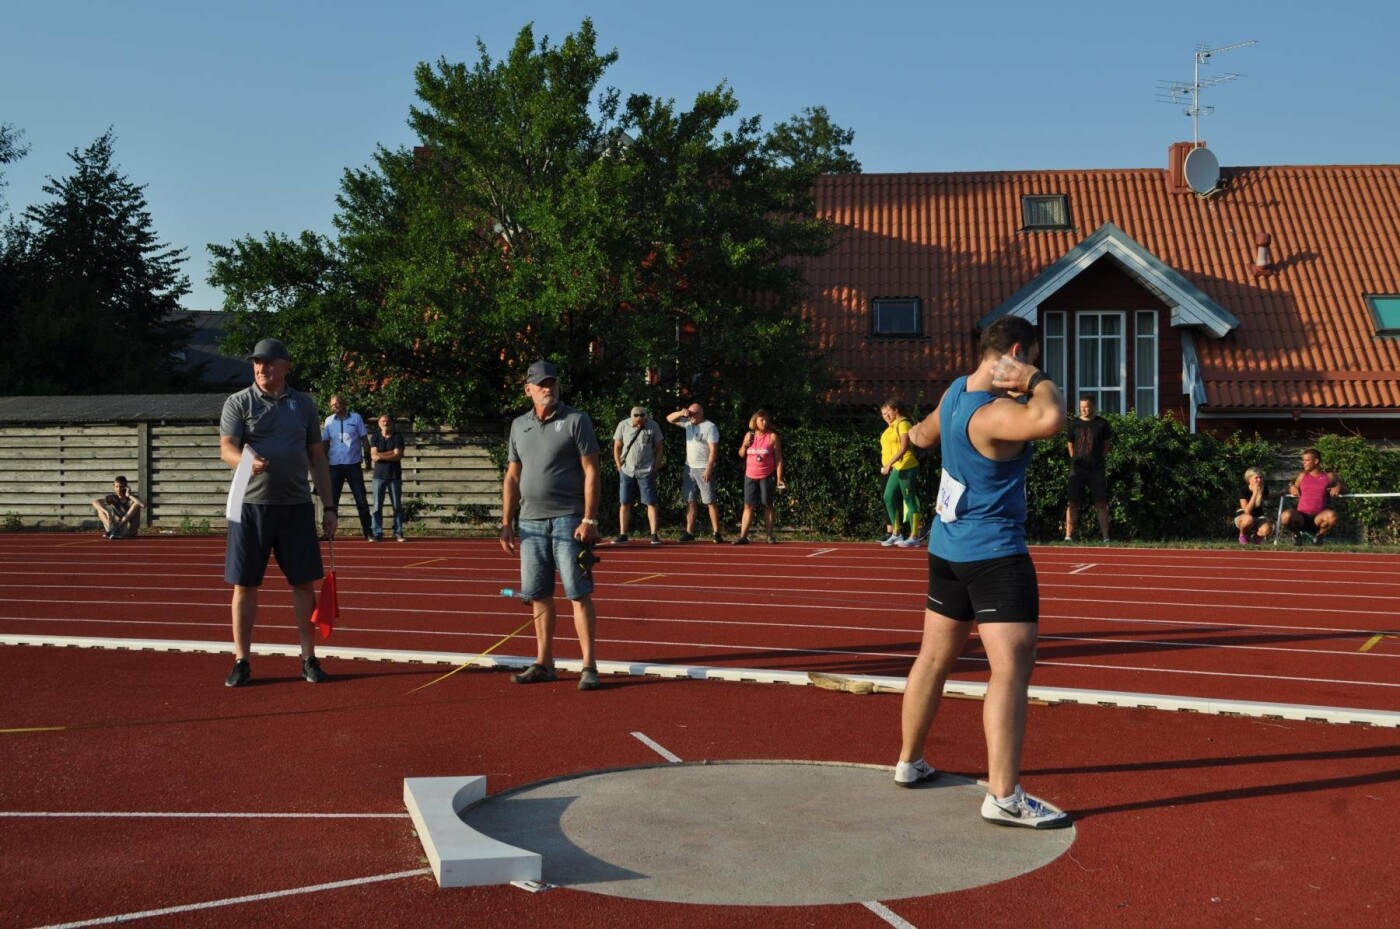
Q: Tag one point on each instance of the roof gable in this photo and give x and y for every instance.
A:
(1189, 305)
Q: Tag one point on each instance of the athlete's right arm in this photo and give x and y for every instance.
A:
(926, 433)
(1042, 416)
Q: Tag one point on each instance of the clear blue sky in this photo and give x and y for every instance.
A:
(240, 117)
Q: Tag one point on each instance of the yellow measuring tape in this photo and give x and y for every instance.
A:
(466, 664)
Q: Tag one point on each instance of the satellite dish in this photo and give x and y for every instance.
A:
(1202, 170)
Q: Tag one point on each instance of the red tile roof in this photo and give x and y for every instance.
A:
(1305, 341)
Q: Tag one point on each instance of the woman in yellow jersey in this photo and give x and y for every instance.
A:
(898, 462)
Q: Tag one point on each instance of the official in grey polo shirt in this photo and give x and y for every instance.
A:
(552, 478)
(283, 429)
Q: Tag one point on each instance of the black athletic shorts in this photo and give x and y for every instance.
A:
(1095, 480)
(287, 530)
(997, 590)
(758, 491)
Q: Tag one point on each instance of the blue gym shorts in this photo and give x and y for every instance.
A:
(546, 546)
(286, 530)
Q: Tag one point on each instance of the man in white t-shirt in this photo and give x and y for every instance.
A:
(701, 453)
(346, 438)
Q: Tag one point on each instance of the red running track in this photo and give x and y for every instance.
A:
(1300, 627)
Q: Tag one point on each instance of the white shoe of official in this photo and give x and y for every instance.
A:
(913, 773)
(1020, 810)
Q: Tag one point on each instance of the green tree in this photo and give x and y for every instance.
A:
(10, 149)
(92, 294)
(652, 252)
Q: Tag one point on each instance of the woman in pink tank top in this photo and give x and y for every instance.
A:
(762, 452)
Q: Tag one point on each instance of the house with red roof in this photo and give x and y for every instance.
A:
(1268, 302)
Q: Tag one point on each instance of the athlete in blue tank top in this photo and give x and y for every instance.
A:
(979, 567)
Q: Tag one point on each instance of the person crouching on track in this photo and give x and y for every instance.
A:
(1252, 519)
(986, 422)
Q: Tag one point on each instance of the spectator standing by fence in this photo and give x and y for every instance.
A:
(347, 442)
(386, 451)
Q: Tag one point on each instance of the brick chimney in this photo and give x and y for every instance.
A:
(1176, 166)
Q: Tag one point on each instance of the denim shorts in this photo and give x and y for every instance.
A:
(547, 545)
(629, 488)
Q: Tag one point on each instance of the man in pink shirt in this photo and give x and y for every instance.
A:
(1315, 489)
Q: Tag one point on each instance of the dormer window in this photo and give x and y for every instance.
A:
(1045, 211)
(896, 317)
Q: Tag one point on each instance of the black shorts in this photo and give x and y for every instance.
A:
(758, 491)
(287, 530)
(1095, 480)
(1309, 521)
(997, 590)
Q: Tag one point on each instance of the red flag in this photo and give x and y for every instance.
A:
(327, 608)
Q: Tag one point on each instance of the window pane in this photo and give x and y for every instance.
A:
(896, 317)
(1387, 312)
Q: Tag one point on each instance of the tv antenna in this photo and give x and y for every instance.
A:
(1174, 91)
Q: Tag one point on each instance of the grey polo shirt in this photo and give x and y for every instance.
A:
(551, 475)
(279, 429)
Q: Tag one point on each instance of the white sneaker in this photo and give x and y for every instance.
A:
(913, 773)
(1020, 810)
(892, 540)
(910, 542)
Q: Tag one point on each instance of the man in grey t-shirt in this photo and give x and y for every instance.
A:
(637, 452)
(697, 480)
(282, 429)
(552, 477)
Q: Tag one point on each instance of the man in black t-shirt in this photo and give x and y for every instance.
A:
(386, 451)
(1089, 439)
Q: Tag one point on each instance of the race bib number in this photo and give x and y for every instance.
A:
(950, 491)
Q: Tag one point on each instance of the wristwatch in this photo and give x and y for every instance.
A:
(589, 522)
(1036, 378)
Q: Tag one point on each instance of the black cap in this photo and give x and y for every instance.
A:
(270, 350)
(541, 371)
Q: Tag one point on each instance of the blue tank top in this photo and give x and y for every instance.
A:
(991, 513)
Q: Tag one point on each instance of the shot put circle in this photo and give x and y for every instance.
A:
(762, 833)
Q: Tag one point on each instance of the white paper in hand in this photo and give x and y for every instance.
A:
(233, 510)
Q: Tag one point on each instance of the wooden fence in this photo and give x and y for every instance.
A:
(53, 472)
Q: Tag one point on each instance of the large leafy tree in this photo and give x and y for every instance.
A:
(91, 294)
(653, 252)
(10, 149)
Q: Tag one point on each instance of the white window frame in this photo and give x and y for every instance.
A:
(903, 304)
(1096, 391)
(1150, 342)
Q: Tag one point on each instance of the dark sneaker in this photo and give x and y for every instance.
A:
(620, 540)
(655, 539)
(370, 538)
(772, 540)
(742, 540)
(239, 675)
(719, 539)
(914, 773)
(1020, 810)
(687, 537)
(588, 680)
(1317, 540)
(1303, 538)
(535, 674)
(311, 670)
(398, 538)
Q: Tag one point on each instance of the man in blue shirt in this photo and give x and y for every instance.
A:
(979, 566)
(552, 477)
(347, 443)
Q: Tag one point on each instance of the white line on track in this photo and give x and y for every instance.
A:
(888, 915)
(21, 814)
(235, 901)
(821, 551)
(656, 747)
(1083, 567)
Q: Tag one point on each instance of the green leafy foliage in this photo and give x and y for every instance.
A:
(652, 252)
(88, 290)
(1364, 468)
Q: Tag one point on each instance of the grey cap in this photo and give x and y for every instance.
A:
(639, 411)
(270, 350)
(541, 371)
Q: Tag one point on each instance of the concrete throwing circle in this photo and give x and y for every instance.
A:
(764, 833)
